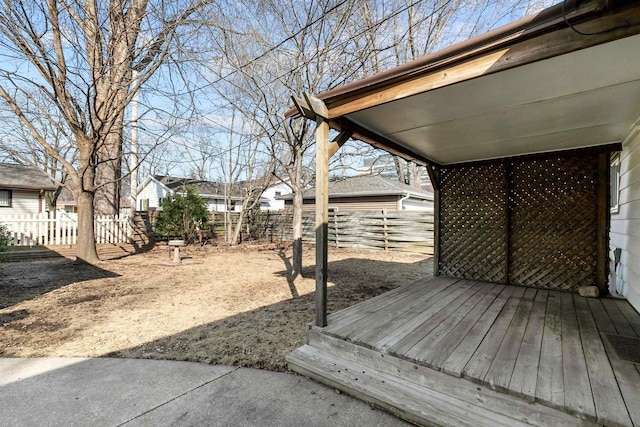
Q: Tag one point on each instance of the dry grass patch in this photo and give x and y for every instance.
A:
(230, 306)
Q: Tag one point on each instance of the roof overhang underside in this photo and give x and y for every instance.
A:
(586, 96)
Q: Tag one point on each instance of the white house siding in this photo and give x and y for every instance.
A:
(152, 192)
(625, 225)
(215, 205)
(272, 203)
(23, 202)
(417, 205)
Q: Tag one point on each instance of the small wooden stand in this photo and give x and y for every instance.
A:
(175, 244)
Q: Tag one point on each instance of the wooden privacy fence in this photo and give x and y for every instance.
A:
(45, 229)
(408, 231)
(394, 231)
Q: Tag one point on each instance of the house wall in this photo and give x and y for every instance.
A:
(274, 204)
(625, 224)
(23, 202)
(152, 192)
(417, 205)
(218, 205)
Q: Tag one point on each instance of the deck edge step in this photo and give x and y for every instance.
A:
(464, 391)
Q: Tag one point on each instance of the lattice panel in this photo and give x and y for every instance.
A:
(553, 229)
(473, 222)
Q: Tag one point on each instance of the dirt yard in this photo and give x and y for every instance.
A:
(228, 306)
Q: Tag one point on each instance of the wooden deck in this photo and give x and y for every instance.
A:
(540, 346)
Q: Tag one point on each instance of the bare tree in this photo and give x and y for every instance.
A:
(284, 48)
(18, 145)
(76, 58)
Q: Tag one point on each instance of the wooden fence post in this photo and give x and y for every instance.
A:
(384, 229)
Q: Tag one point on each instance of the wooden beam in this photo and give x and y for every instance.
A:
(339, 141)
(434, 177)
(604, 213)
(322, 219)
(303, 108)
(498, 56)
(317, 106)
(379, 141)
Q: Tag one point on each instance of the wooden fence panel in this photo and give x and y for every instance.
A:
(395, 231)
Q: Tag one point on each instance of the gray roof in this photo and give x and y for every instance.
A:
(204, 188)
(367, 185)
(25, 177)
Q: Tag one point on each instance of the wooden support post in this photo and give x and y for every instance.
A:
(603, 223)
(322, 206)
(434, 177)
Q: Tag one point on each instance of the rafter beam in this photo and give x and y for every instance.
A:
(379, 141)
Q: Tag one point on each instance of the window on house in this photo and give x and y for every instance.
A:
(615, 183)
(5, 198)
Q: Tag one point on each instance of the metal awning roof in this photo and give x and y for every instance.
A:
(563, 90)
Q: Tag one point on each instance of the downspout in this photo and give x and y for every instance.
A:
(401, 201)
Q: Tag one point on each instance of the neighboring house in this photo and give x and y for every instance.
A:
(385, 166)
(369, 193)
(22, 189)
(155, 188)
(67, 204)
(273, 196)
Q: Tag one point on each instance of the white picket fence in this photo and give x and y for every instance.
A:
(45, 229)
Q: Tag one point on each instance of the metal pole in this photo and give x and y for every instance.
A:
(134, 146)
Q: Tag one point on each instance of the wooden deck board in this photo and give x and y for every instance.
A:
(420, 298)
(455, 363)
(627, 376)
(482, 359)
(577, 389)
(398, 326)
(525, 372)
(432, 339)
(620, 322)
(436, 355)
(629, 314)
(430, 319)
(550, 381)
(357, 311)
(437, 320)
(363, 313)
(609, 404)
(501, 369)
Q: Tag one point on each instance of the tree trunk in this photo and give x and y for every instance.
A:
(52, 198)
(108, 175)
(399, 169)
(236, 230)
(297, 234)
(86, 235)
